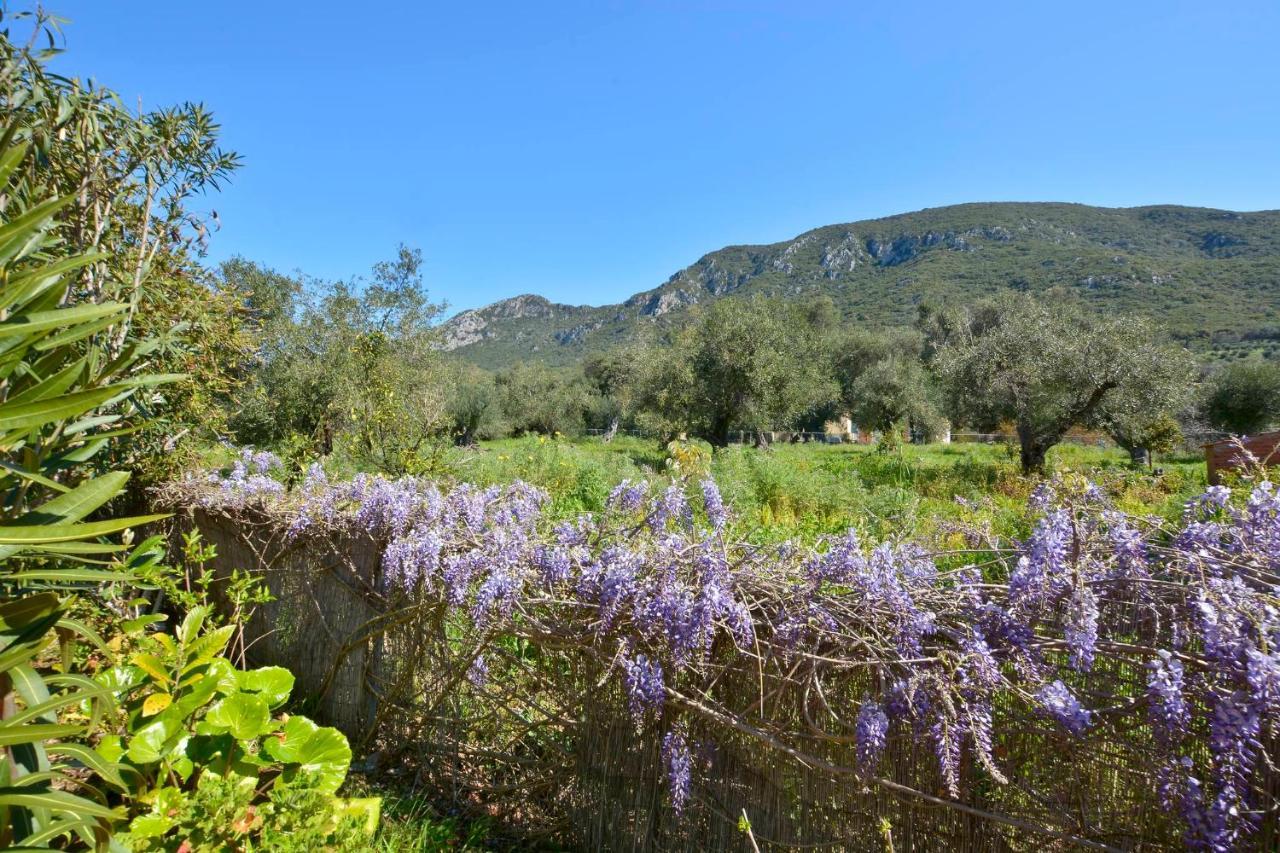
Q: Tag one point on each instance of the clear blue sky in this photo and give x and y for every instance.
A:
(587, 150)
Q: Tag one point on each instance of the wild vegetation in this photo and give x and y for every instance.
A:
(118, 732)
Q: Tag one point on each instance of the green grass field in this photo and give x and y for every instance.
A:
(808, 490)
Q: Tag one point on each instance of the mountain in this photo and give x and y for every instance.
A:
(1211, 277)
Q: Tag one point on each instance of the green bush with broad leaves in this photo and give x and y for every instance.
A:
(204, 739)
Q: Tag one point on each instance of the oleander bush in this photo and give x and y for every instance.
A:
(173, 746)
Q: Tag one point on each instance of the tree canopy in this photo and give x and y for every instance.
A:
(1243, 397)
(741, 365)
(1048, 366)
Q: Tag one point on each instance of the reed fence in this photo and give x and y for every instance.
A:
(549, 741)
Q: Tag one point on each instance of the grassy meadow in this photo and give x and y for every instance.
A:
(809, 490)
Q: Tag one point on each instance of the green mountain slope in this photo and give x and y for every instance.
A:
(1211, 277)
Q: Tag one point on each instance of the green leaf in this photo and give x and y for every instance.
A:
(9, 161)
(327, 755)
(272, 683)
(46, 534)
(286, 745)
(59, 801)
(75, 333)
(191, 625)
(54, 703)
(150, 826)
(43, 321)
(111, 748)
(56, 576)
(151, 743)
(244, 715)
(33, 477)
(39, 840)
(90, 758)
(79, 502)
(133, 626)
(28, 284)
(35, 733)
(56, 384)
(19, 231)
(321, 752)
(206, 648)
(18, 613)
(180, 762)
(41, 412)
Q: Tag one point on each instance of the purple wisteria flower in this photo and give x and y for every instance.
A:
(478, 673)
(1057, 701)
(870, 732)
(645, 688)
(679, 765)
(713, 503)
(627, 496)
(952, 650)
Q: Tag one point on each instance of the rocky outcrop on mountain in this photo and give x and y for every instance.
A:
(842, 256)
(463, 330)
(477, 325)
(1200, 272)
(1219, 245)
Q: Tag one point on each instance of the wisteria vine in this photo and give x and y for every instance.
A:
(657, 587)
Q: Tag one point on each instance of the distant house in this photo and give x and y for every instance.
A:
(1226, 453)
(844, 429)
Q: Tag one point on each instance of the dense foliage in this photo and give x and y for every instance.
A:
(126, 180)
(1050, 366)
(139, 740)
(120, 352)
(344, 363)
(1243, 397)
(744, 365)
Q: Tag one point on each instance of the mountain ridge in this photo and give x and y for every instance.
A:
(1212, 276)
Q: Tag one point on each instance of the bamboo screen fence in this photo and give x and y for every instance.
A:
(550, 746)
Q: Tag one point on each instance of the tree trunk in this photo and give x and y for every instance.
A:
(612, 431)
(1033, 449)
(1139, 456)
(1032, 457)
(719, 432)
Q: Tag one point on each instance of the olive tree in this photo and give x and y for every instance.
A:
(892, 392)
(748, 364)
(1144, 434)
(1048, 366)
(473, 406)
(883, 381)
(612, 379)
(539, 399)
(1243, 397)
(352, 364)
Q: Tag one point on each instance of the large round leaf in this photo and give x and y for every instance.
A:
(320, 752)
(244, 715)
(272, 683)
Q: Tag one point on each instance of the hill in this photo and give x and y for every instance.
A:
(1211, 277)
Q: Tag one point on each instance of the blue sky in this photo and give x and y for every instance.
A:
(587, 150)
